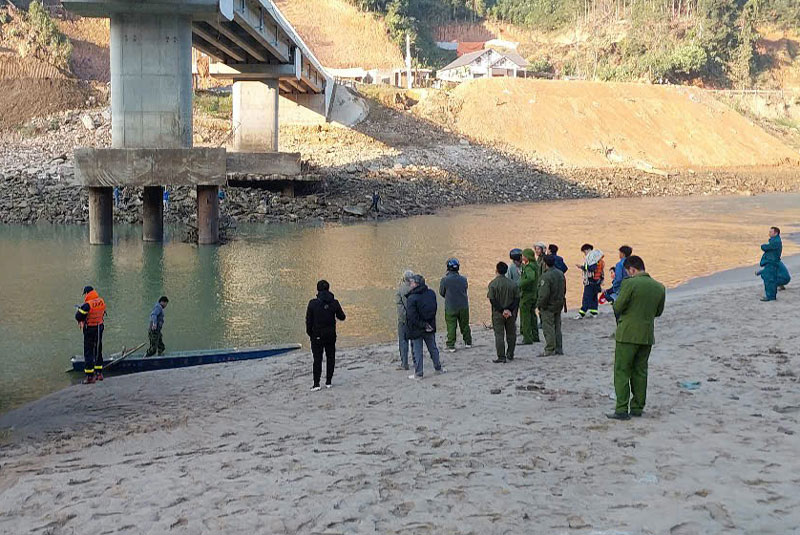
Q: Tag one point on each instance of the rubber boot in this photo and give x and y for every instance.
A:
(89, 379)
(98, 376)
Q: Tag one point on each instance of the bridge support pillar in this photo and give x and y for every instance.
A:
(151, 93)
(207, 215)
(101, 215)
(255, 116)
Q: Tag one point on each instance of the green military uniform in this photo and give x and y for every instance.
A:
(552, 295)
(529, 290)
(640, 301)
(504, 295)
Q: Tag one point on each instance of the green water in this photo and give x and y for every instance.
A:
(254, 290)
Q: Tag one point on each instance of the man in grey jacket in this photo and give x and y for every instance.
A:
(154, 330)
(453, 287)
(401, 299)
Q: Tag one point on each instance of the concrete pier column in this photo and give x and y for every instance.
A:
(153, 213)
(101, 216)
(151, 93)
(207, 215)
(255, 116)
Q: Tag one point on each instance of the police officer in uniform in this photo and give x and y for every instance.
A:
(90, 317)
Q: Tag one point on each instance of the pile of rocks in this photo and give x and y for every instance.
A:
(416, 167)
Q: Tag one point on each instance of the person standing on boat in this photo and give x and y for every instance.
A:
(90, 316)
(154, 331)
(321, 316)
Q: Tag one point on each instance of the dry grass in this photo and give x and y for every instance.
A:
(341, 36)
(90, 52)
(593, 124)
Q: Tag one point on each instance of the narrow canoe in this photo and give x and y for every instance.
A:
(182, 359)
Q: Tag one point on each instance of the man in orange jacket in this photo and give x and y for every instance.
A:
(90, 317)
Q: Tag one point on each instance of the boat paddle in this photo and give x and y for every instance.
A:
(124, 355)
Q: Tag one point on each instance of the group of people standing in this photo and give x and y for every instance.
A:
(533, 288)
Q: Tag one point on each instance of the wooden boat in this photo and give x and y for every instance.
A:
(182, 359)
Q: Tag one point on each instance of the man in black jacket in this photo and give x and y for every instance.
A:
(321, 316)
(421, 322)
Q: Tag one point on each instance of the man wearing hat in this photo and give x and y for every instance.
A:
(453, 287)
(529, 290)
(90, 316)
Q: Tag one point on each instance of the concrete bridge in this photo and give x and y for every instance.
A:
(151, 102)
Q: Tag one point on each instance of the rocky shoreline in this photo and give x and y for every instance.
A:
(412, 178)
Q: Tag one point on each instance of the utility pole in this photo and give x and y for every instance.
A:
(408, 60)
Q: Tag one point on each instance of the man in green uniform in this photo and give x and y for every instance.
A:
(552, 294)
(529, 290)
(640, 301)
(504, 297)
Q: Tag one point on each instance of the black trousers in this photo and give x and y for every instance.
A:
(93, 349)
(328, 345)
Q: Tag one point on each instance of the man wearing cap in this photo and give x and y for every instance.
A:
(90, 316)
(453, 287)
(529, 290)
(515, 268)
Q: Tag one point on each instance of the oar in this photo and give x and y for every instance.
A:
(124, 355)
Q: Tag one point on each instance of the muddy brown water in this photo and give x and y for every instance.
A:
(254, 290)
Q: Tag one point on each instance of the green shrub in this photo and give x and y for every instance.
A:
(540, 66)
(46, 36)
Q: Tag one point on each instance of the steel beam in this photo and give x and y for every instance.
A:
(216, 42)
(245, 42)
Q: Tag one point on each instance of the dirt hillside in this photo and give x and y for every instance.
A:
(588, 124)
(340, 35)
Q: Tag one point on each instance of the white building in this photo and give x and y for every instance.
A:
(484, 64)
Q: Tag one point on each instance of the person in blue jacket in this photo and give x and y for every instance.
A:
(619, 273)
(770, 264)
(560, 265)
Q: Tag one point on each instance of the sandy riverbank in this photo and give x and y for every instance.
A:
(246, 448)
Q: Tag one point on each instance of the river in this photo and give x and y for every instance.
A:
(254, 290)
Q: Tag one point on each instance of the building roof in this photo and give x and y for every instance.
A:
(466, 47)
(516, 58)
(466, 59)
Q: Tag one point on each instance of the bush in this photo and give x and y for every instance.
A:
(47, 38)
(688, 60)
(541, 66)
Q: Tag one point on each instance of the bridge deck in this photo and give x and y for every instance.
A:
(245, 35)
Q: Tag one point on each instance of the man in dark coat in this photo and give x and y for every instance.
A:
(321, 316)
(421, 322)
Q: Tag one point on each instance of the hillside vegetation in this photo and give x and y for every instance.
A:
(704, 42)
